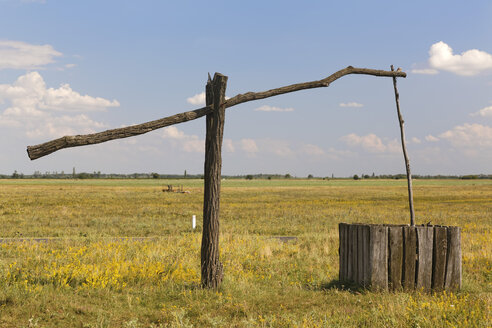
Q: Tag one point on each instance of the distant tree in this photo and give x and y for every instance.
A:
(185, 174)
(249, 177)
(269, 178)
(288, 176)
(356, 177)
(310, 176)
(15, 175)
(366, 176)
(83, 175)
(155, 175)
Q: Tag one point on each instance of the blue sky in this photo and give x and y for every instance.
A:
(75, 67)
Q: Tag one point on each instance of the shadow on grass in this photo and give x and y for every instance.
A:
(338, 285)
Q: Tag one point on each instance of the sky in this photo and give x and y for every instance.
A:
(77, 67)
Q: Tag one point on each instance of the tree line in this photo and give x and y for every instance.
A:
(260, 176)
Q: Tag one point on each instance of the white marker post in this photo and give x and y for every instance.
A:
(193, 222)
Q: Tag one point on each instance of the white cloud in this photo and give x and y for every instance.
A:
(198, 99)
(22, 55)
(189, 143)
(426, 71)
(280, 148)
(172, 132)
(431, 138)
(35, 108)
(228, 146)
(266, 108)
(249, 146)
(484, 112)
(312, 150)
(469, 136)
(371, 143)
(415, 140)
(351, 104)
(468, 63)
(29, 95)
(65, 125)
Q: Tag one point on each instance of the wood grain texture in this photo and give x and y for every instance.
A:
(211, 268)
(342, 250)
(353, 242)
(409, 256)
(350, 254)
(366, 272)
(395, 256)
(453, 264)
(439, 260)
(360, 255)
(425, 237)
(37, 151)
(378, 240)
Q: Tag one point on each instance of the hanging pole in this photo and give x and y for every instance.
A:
(405, 155)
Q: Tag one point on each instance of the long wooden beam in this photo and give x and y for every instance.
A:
(37, 151)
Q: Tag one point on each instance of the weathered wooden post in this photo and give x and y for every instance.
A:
(210, 263)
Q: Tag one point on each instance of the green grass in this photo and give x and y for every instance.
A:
(86, 278)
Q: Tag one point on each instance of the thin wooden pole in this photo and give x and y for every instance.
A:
(405, 155)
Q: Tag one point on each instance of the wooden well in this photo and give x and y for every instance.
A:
(400, 256)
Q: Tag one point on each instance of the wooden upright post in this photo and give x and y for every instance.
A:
(210, 264)
(405, 155)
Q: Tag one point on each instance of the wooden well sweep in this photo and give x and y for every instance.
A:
(216, 104)
(400, 256)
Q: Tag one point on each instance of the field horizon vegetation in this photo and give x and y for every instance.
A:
(122, 253)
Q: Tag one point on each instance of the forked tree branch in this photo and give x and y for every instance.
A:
(37, 151)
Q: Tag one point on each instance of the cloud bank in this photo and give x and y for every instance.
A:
(266, 108)
(484, 112)
(351, 104)
(468, 63)
(198, 99)
(22, 55)
(48, 112)
(371, 143)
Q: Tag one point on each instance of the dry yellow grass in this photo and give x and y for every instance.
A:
(87, 278)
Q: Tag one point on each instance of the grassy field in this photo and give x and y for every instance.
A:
(90, 275)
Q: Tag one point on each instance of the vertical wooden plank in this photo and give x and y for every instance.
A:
(425, 236)
(366, 279)
(379, 256)
(395, 256)
(350, 274)
(341, 251)
(347, 246)
(353, 242)
(410, 256)
(360, 256)
(453, 264)
(439, 261)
